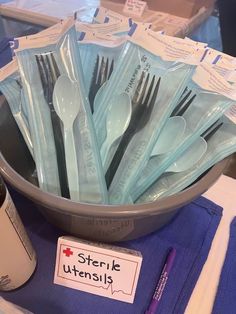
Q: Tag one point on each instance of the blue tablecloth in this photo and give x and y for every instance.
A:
(191, 233)
(5, 52)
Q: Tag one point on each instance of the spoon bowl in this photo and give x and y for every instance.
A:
(189, 157)
(174, 130)
(117, 121)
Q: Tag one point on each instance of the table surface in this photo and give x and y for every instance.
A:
(202, 298)
(44, 238)
(223, 194)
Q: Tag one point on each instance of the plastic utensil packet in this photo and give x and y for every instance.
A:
(41, 61)
(99, 54)
(219, 146)
(11, 88)
(213, 96)
(147, 65)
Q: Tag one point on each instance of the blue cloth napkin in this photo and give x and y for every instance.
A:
(190, 232)
(5, 52)
(225, 301)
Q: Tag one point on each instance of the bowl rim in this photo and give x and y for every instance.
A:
(67, 206)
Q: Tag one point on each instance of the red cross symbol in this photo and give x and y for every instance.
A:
(68, 252)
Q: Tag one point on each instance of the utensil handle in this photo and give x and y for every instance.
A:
(104, 151)
(126, 138)
(71, 164)
(60, 154)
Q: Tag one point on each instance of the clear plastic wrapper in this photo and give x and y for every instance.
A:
(65, 148)
(99, 55)
(10, 86)
(221, 143)
(209, 94)
(146, 66)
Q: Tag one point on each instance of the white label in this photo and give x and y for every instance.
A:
(18, 261)
(231, 114)
(207, 78)
(215, 56)
(102, 39)
(102, 14)
(104, 28)
(135, 7)
(167, 47)
(97, 268)
(18, 226)
(46, 38)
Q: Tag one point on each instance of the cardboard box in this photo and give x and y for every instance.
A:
(183, 8)
(171, 24)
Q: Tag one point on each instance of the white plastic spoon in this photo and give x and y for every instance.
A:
(66, 103)
(189, 157)
(170, 136)
(117, 121)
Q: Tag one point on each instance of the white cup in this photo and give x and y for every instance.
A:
(17, 256)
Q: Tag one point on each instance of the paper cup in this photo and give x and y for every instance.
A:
(18, 258)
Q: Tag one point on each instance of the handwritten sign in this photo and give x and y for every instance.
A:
(97, 268)
(135, 7)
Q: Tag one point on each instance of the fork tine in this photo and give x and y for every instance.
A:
(138, 88)
(212, 130)
(185, 90)
(42, 75)
(100, 72)
(149, 92)
(105, 72)
(52, 73)
(180, 104)
(144, 88)
(45, 68)
(185, 107)
(149, 102)
(49, 74)
(40, 69)
(55, 66)
(49, 80)
(154, 95)
(111, 69)
(95, 73)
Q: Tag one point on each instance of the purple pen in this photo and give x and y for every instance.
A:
(162, 282)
